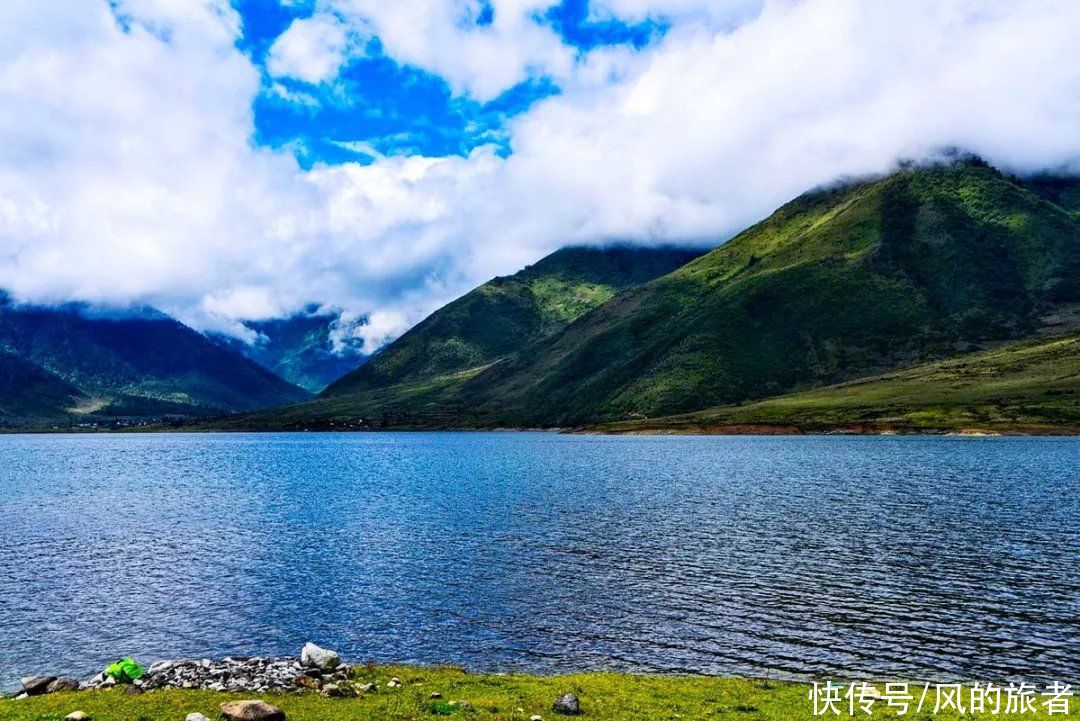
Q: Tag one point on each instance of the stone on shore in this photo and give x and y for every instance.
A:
(62, 684)
(160, 667)
(36, 685)
(323, 659)
(78, 716)
(195, 717)
(305, 681)
(567, 704)
(251, 711)
(254, 675)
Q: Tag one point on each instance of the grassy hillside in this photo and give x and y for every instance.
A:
(1027, 388)
(137, 366)
(506, 314)
(837, 284)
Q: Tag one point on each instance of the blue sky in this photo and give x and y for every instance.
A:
(399, 109)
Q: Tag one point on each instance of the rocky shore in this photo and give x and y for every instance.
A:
(316, 671)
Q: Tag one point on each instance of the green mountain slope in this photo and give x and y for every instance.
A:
(299, 349)
(836, 284)
(1029, 387)
(1063, 190)
(138, 366)
(506, 314)
(30, 395)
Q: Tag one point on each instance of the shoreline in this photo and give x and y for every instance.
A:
(294, 675)
(423, 694)
(615, 429)
(420, 693)
(853, 429)
(317, 686)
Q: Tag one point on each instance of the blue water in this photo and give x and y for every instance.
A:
(932, 558)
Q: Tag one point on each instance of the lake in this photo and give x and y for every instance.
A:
(927, 558)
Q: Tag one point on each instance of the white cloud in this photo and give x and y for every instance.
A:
(293, 97)
(443, 37)
(717, 14)
(379, 328)
(128, 175)
(311, 49)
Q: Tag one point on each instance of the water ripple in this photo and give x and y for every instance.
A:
(928, 558)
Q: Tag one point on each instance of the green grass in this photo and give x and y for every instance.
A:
(604, 697)
(560, 302)
(1021, 388)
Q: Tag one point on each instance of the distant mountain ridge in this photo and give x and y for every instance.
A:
(92, 368)
(840, 283)
(300, 348)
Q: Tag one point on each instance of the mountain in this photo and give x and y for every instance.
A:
(837, 284)
(1027, 387)
(126, 366)
(300, 349)
(506, 314)
(842, 282)
(425, 367)
(29, 394)
(1063, 190)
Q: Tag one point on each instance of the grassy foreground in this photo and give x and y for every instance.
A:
(603, 696)
(614, 697)
(1029, 387)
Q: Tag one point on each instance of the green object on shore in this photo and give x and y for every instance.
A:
(124, 671)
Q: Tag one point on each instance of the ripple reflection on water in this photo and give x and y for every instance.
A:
(928, 558)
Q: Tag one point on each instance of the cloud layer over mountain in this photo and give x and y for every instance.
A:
(129, 171)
